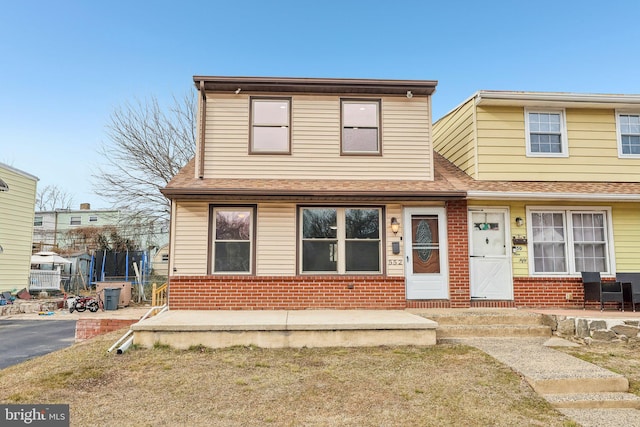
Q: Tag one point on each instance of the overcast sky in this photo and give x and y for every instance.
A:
(65, 65)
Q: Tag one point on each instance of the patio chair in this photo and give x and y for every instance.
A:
(630, 287)
(596, 290)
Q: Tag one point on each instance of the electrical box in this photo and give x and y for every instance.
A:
(395, 248)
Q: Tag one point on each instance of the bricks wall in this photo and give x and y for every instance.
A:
(285, 292)
(88, 328)
(548, 292)
(458, 236)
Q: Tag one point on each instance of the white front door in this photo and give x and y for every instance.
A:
(490, 254)
(425, 239)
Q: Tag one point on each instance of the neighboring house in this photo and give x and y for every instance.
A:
(17, 203)
(54, 230)
(316, 193)
(160, 264)
(553, 189)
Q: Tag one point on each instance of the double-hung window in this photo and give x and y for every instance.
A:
(546, 133)
(75, 220)
(270, 126)
(37, 221)
(628, 134)
(360, 127)
(341, 240)
(570, 241)
(233, 238)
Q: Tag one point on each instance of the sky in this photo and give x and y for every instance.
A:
(65, 65)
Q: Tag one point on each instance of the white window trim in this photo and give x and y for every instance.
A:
(569, 254)
(563, 132)
(621, 155)
(341, 238)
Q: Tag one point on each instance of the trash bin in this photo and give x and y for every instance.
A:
(111, 298)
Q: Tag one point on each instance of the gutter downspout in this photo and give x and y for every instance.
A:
(201, 129)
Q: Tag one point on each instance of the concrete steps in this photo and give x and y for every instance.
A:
(594, 400)
(468, 323)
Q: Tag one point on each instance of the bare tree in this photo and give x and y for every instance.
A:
(52, 197)
(147, 146)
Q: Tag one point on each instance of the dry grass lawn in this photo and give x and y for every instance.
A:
(622, 357)
(444, 385)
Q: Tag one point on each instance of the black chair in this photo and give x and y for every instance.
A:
(630, 287)
(596, 290)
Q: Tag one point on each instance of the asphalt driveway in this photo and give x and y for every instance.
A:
(22, 340)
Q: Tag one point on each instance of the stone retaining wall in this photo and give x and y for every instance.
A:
(29, 306)
(589, 330)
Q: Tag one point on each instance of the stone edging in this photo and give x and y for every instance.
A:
(588, 330)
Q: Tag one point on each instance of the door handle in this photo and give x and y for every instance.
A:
(476, 256)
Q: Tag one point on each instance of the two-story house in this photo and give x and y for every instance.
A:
(316, 193)
(553, 189)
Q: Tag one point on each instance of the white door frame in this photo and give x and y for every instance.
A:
(500, 285)
(431, 285)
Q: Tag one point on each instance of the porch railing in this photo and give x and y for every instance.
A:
(159, 295)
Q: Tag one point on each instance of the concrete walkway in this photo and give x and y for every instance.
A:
(586, 393)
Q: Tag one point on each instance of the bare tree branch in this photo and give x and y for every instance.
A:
(147, 146)
(52, 197)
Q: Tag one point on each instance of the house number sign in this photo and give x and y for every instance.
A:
(396, 261)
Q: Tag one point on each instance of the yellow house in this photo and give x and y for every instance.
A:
(17, 207)
(553, 189)
(316, 193)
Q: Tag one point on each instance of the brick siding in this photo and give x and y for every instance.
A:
(285, 292)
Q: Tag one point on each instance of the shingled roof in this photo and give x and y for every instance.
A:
(450, 183)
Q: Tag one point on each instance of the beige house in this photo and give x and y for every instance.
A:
(17, 206)
(316, 193)
(553, 189)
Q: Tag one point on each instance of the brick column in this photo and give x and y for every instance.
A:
(458, 239)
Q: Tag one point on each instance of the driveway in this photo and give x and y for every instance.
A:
(22, 340)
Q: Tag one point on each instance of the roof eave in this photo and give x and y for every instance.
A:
(315, 85)
(525, 195)
(566, 99)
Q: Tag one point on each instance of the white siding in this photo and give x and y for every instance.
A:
(315, 141)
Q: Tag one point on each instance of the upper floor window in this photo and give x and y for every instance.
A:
(93, 218)
(75, 220)
(37, 221)
(628, 135)
(546, 133)
(270, 126)
(360, 127)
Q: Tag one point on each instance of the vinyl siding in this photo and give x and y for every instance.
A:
(190, 238)
(592, 142)
(392, 267)
(626, 234)
(17, 207)
(276, 240)
(315, 141)
(453, 137)
(626, 231)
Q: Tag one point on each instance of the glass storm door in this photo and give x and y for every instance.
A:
(490, 254)
(426, 253)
